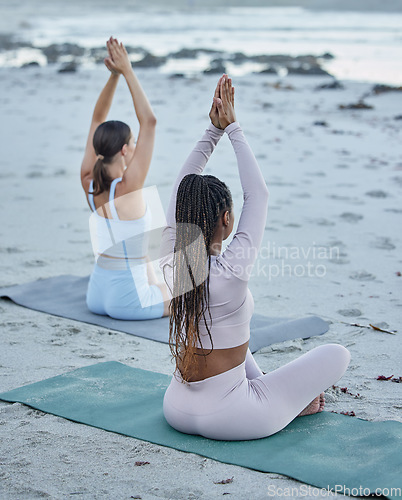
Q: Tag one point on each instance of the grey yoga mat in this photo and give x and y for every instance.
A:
(65, 296)
(326, 450)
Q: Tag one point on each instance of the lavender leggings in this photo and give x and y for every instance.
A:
(242, 403)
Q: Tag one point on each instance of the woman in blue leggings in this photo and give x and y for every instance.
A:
(123, 284)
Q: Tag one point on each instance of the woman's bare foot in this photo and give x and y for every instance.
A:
(315, 406)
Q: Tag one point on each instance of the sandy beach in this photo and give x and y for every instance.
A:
(335, 184)
(331, 158)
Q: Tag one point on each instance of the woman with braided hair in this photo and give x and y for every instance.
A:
(123, 284)
(218, 391)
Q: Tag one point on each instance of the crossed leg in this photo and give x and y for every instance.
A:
(302, 382)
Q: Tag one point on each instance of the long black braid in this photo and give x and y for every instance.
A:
(200, 202)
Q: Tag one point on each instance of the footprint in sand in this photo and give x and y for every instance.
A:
(33, 175)
(316, 174)
(351, 217)
(362, 276)
(73, 330)
(10, 250)
(377, 193)
(394, 210)
(302, 195)
(322, 222)
(35, 263)
(397, 180)
(383, 243)
(339, 197)
(92, 356)
(339, 259)
(36, 413)
(353, 200)
(336, 244)
(349, 312)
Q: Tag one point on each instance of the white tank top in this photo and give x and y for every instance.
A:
(122, 239)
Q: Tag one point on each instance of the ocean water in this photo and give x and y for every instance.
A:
(367, 45)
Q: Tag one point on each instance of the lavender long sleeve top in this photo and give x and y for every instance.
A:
(230, 301)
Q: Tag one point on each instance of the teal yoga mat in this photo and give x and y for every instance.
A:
(65, 296)
(325, 450)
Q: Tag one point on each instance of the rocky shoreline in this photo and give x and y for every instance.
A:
(69, 57)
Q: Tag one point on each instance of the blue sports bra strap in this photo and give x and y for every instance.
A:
(111, 198)
(91, 196)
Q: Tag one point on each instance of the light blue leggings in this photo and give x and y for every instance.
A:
(117, 294)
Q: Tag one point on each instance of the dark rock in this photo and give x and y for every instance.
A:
(8, 42)
(320, 124)
(150, 61)
(216, 66)
(380, 89)
(210, 51)
(70, 67)
(398, 117)
(239, 58)
(307, 69)
(270, 59)
(185, 54)
(135, 50)
(177, 76)
(327, 55)
(269, 70)
(307, 59)
(30, 64)
(358, 105)
(330, 86)
(300, 65)
(55, 50)
(192, 53)
(98, 54)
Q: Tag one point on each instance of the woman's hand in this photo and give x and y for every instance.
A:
(118, 61)
(225, 103)
(110, 67)
(213, 114)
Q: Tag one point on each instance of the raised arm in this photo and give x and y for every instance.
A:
(242, 252)
(199, 156)
(194, 164)
(100, 113)
(137, 170)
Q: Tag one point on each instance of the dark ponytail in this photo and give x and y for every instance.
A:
(109, 138)
(200, 202)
